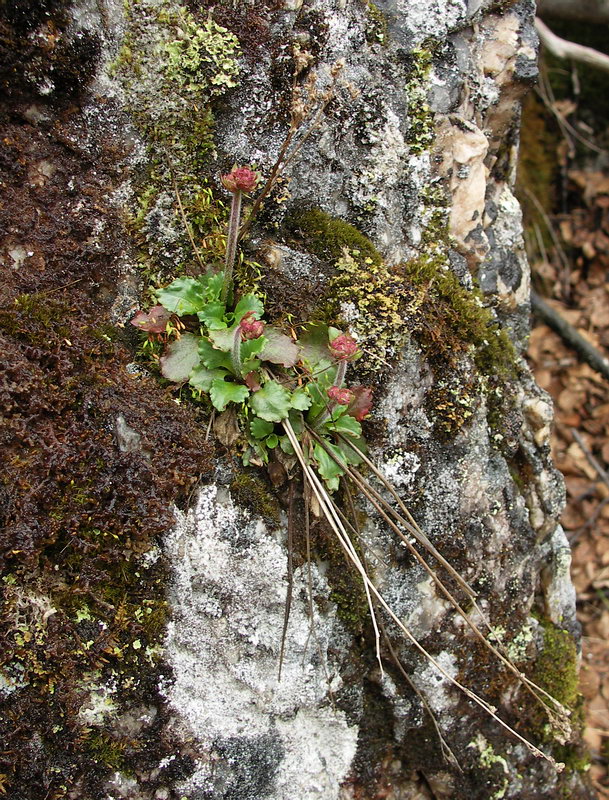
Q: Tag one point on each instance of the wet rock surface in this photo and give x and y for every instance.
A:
(145, 638)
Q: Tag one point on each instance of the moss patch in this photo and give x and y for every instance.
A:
(252, 492)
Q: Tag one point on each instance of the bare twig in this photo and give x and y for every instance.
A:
(326, 505)
(570, 335)
(561, 48)
(288, 597)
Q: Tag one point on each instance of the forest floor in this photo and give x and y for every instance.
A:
(573, 278)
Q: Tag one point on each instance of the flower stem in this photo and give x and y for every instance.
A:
(324, 414)
(231, 246)
(235, 353)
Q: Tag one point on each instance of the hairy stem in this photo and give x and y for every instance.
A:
(235, 352)
(231, 246)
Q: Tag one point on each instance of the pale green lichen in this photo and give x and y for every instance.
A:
(517, 648)
(421, 127)
(200, 57)
(172, 68)
(488, 760)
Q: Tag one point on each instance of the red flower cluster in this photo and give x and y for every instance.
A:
(240, 179)
(250, 327)
(343, 347)
(341, 396)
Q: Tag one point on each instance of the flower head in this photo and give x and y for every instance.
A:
(340, 395)
(240, 179)
(343, 347)
(250, 327)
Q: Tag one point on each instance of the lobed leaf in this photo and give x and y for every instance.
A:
(201, 377)
(212, 315)
(272, 402)
(212, 357)
(301, 400)
(224, 392)
(249, 302)
(183, 296)
(260, 429)
(279, 348)
(329, 470)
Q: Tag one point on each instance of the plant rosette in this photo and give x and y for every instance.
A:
(239, 361)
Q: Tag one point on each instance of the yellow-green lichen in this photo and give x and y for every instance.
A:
(421, 125)
(489, 760)
(377, 28)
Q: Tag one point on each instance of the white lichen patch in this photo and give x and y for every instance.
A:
(435, 685)
(99, 705)
(434, 18)
(228, 596)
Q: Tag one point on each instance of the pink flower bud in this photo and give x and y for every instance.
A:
(240, 179)
(344, 347)
(251, 328)
(341, 396)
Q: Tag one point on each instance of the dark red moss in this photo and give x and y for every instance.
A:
(77, 510)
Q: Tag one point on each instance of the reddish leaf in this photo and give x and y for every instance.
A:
(361, 404)
(252, 381)
(155, 321)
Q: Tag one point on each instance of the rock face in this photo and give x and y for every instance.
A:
(146, 576)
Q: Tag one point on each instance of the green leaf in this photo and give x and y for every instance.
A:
(300, 400)
(272, 402)
(286, 445)
(212, 315)
(180, 358)
(249, 302)
(214, 285)
(279, 348)
(350, 455)
(346, 425)
(272, 441)
(329, 470)
(224, 392)
(183, 296)
(223, 339)
(251, 347)
(201, 377)
(260, 429)
(213, 358)
(314, 346)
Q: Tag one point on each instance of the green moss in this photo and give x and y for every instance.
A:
(466, 320)
(556, 668)
(107, 750)
(328, 237)
(251, 492)
(556, 671)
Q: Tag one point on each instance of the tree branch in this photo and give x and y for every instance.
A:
(561, 48)
(595, 12)
(582, 347)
